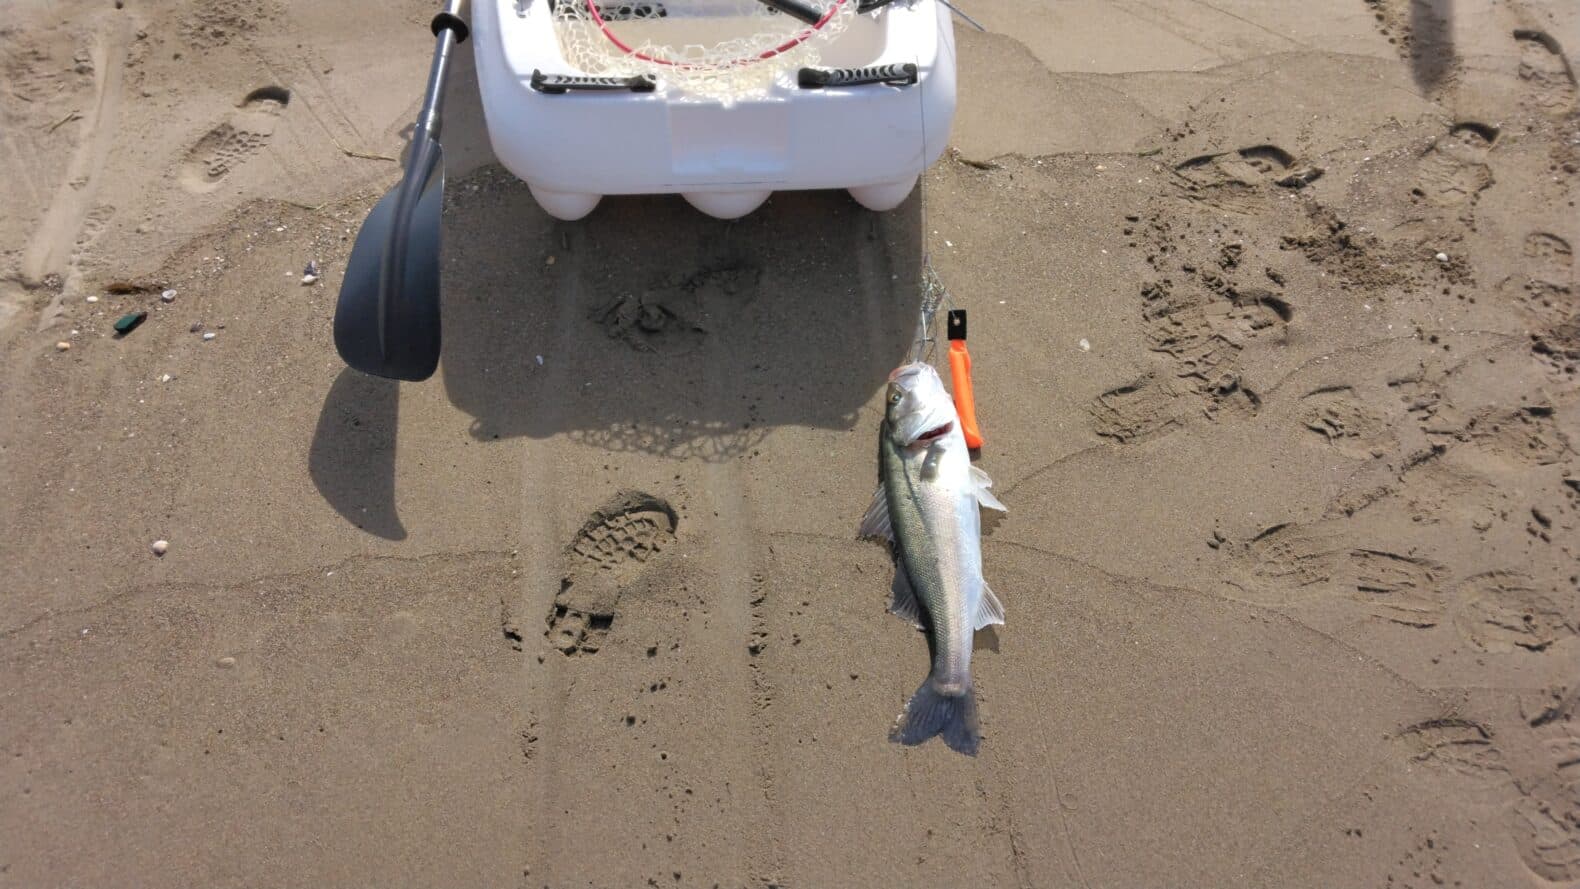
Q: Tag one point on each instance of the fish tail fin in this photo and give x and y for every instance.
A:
(939, 709)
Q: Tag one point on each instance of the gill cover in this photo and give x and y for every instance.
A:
(916, 403)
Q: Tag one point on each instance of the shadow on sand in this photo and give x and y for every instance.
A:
(1432, 55)
(660, 330)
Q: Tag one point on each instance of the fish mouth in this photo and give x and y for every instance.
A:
(933, 435)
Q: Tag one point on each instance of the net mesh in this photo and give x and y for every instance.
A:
(713, 49)
(934, 296)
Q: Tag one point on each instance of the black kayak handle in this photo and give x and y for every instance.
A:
(903, 74)
(556, 84)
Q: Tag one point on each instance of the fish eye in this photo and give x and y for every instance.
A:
(896, 397)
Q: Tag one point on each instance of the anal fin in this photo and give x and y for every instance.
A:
(903, 601)
(989, 609)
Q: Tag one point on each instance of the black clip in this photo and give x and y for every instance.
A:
(957, 324)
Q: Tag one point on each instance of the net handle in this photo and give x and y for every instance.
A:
(792, 43)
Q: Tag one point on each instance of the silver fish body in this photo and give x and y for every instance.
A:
(927, 506)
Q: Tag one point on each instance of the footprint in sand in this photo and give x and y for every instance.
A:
(1287, 564)
(631, 529)
(1546, 828)
(227, 146)
(93, 226)
(1203, 325)
(1459, 748)
(617, 539)
(1395, 588)
(1136, 412)
(1543, 66)
(1504, 611)
(30, 74)
(1341, 418)
(1550, 251)
(1547, 302)
(1528, 434)
(1233, 180)
(1546, 820)
(1542, 288)
(1454, 169)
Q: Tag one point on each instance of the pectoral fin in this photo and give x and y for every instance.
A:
(875, 524)
(984, 492)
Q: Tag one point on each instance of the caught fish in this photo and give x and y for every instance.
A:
(926, 506)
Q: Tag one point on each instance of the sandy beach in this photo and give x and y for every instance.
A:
(1276, 327)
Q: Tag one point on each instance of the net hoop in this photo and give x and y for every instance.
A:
(792, 43)
(709, 50)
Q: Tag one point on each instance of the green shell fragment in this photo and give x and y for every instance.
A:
(128, 323)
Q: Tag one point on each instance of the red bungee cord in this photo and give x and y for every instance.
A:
(792, 43)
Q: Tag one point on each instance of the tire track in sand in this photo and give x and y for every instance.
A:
(51, 251)
(742, 687)
(545, 684)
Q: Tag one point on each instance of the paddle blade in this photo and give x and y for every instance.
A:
(387, 319)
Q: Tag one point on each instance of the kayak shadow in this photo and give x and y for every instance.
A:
(646, 327)
(650, 327)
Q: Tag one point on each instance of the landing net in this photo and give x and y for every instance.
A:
(714, 49)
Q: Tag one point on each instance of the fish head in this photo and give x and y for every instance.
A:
(917, 408)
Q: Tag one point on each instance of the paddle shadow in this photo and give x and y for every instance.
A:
(352, 457)
(1432, 54)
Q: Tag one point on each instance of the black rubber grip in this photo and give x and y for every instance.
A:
(450, 20)
(555, 84)
(892, 75)
(866, 6)
(796, 9)
(957, 324)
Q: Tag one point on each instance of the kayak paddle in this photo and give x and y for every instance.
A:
(387, 319)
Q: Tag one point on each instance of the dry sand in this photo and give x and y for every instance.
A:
(1289, 566)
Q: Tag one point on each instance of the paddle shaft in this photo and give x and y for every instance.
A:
(450, 29)
(422, 160)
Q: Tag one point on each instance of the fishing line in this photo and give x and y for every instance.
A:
(933, 292)
(934, 295)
